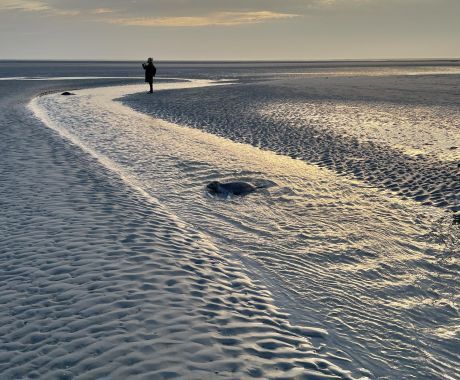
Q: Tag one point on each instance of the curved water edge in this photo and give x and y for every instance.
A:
(337, 255)
(101, 280)
(98, 280)
(388, 132)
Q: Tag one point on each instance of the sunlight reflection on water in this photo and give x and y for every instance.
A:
(345, 256)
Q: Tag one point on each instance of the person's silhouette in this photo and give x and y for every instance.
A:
(150, 72)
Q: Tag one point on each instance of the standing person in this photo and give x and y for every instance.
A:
(150, 72)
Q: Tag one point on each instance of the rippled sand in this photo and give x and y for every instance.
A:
(395, 132)
(378, 272)
(98, 280)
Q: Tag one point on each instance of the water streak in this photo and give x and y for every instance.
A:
(337, 254)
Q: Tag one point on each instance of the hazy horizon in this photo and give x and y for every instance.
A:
(229, 30)
(319, 60)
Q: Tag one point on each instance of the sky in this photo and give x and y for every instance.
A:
(229, 29)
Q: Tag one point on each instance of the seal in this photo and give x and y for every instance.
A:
(230, 188)
(67, 93)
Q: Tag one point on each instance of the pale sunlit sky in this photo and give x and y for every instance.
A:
(229, 29)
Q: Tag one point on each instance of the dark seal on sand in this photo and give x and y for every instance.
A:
(230, 188)
(67, 93)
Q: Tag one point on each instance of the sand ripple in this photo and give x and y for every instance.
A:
(393, 132)
(336, 253)
(100, 281)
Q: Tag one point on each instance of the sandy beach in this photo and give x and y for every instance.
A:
(116, 264)
(100, 281)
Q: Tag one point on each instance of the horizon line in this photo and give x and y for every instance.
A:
(452, 59)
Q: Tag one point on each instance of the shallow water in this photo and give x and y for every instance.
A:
(398, 133)
(378, 272)
(97, 279)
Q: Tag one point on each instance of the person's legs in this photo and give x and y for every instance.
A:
(151, 87)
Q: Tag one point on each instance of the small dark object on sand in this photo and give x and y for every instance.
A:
(456, 219)
(230, 188)
(67, 93)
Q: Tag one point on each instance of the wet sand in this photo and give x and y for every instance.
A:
(99, 280)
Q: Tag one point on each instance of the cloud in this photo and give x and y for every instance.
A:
(64, 13)
(195, 13)
(36, 6)
(214, 19)
(138, 15)
(183, 12)
(24, 5)
(100, 11)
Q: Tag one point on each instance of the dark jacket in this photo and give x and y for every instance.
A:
(150, 71)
